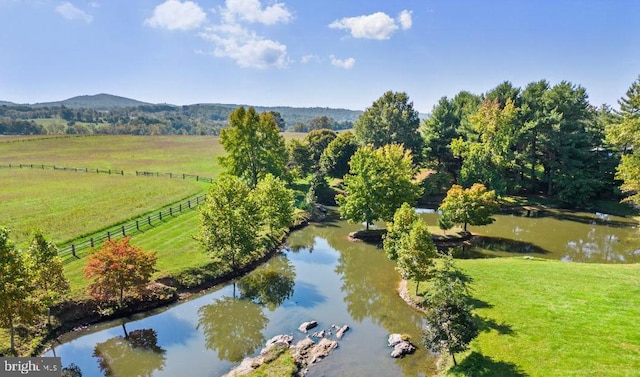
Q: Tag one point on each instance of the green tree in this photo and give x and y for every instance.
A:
(299, 161)
(473, 206)
(408, 242)
(17, 299)
(403, 220)
(49, 279)
(450, 325)
(379, 181)
(334, 161)
(321, 122)
(254, 146)
(624, 133)
(118, 267)
(276, 206)
(277, 117)
(317, 141)
(230, 222)
(391, 119)
(491, 156)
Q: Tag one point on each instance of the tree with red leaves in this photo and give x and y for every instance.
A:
(117, 267)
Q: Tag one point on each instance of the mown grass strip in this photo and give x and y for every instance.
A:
(549, 318)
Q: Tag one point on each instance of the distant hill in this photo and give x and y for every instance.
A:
(95, 102)
(7, 103)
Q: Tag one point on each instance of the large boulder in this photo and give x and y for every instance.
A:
(341, 331)
(306, 326)
(403, 348)
(394, 339)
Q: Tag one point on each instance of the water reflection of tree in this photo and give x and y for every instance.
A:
(369, 287)
(232, 327)
(135, 354)
(602, 246)
(271, 284)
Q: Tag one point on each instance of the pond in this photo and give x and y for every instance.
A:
(322, 276)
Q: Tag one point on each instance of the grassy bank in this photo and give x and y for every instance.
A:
(549, 318)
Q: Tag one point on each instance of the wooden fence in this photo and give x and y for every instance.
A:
(83, 246)
(106, 171)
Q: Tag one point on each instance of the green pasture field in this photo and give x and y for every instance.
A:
(173, 242)
(550, 318)
(194, 155)
(65, 205)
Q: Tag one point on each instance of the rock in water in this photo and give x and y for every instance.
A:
(341, 332)
(305, 326)
(394, 339)
(287, 339)
(319, 334)
(402, 348)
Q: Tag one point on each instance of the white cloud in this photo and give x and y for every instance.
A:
(245, 47)
(309, 58)
(405, 19)
(252, 11)
(232, 39)
(342, 63)
(176, 15)
(378, 25)
(71, 12)
(374, 26)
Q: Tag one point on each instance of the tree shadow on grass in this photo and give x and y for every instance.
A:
(479, 365)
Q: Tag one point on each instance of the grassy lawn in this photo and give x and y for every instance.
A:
(168, 154)
(549, 318)
(65, 205)
(173, 241)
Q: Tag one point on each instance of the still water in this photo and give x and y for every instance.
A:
(322, 276)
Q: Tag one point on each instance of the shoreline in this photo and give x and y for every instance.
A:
(77, 315)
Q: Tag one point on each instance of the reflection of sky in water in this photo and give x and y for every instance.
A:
(306, 295)
(321, 253)
(425, 210)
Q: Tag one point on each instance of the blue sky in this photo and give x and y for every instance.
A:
(333, 53)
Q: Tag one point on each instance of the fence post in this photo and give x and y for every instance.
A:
(73, 250)
(91, 241)
(121, 172)
(183, 175)
(42, 167)
(123, 233)
(180, 207)
(189, 203)
(137, 225)
(170, 211)
(109, 235)
(149, 219)
(160, 215)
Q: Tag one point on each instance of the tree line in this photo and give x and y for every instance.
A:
(199, 119)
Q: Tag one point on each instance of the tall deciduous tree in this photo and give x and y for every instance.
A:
(317, 141)
(17, 299)
(335, 158)
(379, 181)
(408, 242)
(299, 158)
(49, 279)
(230, 222)
(473, 206)
(118, 267)
(624, 132)
(276, 206)
(491, 157)
(390, 119)
(254, 146)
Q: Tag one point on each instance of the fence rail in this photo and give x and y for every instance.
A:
(82, 246)
(107, 171)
